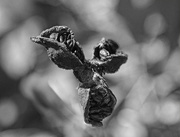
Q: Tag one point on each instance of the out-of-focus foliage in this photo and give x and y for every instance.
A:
(38, 99)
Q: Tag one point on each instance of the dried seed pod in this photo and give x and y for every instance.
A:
(107, 58)
(98, 103)
(61, 46)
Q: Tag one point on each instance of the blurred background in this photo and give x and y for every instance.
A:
(37, 99)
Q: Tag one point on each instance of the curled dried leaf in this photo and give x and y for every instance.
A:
(107, 58)
(98, 103)
(61, 46)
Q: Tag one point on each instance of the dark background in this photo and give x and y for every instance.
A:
(39, 99)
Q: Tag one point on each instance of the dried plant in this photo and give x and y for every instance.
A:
(97, 99)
